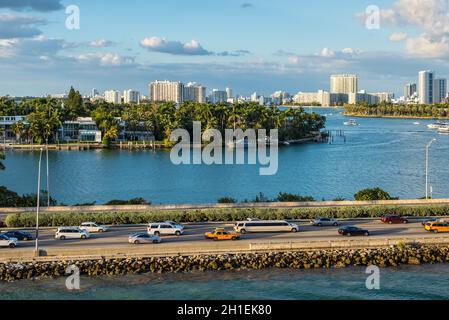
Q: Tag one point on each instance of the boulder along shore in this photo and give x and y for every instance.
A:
(384, 257)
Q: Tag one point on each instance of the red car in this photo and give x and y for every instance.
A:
(390, 219)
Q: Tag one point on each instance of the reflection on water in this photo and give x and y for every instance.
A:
(389, 153)
(406, 282)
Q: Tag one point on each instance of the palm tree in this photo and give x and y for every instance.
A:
(18, 129)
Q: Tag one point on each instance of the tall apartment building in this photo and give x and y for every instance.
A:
(409, 90)
(217, 96)
(167, 91)
(439, 90)
(229, 93)
(195, 92)
(321, 97)
(344, 83)
(112, 96)
(425, 88)
(131, 96)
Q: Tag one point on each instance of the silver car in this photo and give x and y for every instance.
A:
(324, 222)
(143, 237)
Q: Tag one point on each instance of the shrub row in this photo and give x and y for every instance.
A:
(215, 215)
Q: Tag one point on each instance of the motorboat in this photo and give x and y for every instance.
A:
(438, 125)
(351, 122)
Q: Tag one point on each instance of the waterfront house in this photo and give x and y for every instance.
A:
(83, 129)
(6, 124)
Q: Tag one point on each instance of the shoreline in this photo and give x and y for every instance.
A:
(394, 117)
(317, 259)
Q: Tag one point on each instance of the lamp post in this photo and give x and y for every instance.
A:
(38, 203)
(427, 166)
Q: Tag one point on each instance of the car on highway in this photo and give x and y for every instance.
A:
(323, 222)
(19, 235)
(175, 224)
(393, 219)
(353, 231)
(71, 233)
(428, 220)
(164, 229)
(221, 234)
(143, 237)
(93, 227)
(8, 242)
(265, 226)
(437, 227)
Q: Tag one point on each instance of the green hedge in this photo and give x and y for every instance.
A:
(215, 215)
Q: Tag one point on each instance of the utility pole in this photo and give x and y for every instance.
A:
(38, 203)
(427, 167)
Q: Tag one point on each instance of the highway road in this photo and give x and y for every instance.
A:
(193, 238)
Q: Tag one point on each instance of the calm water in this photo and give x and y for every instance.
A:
(408, 282)
(389, 153)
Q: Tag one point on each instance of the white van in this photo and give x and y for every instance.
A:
(265, 226)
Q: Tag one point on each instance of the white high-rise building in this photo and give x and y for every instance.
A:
(112, 96)
(94, 93)
(439, 90)
(195, 92)
(217, 96)
(229, 93)
(255, 97)
(425, 87)
(344, 83)
(131, 96)
(410, 90)
(167, 91)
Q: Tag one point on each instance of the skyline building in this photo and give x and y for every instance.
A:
(439, 90)
(410, 89)
(131, 96)
(166, 91)
(112, 96)
(218, 96)
(344, 83)
(194, 92)
(425, 87)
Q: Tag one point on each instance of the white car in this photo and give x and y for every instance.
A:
(5, 241)
(71, 233)
(140, 238)
(322, 222)
(93, 227)
(163, 229)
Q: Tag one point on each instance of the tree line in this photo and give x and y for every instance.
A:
(46, 115)
(437, 111)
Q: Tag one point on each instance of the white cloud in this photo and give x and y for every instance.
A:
(398, 36)
(100, 43)
(38, 5)
(14, 25)
(105, 59)
(326, 52)
(162, 45)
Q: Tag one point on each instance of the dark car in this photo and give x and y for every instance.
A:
(353, 231)
(429, 220)
(19, 235)
(391, 219)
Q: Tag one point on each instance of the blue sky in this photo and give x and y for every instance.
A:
(258, 45)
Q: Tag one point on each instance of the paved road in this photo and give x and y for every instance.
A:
(117, 237)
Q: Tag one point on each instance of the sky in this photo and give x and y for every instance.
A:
(248, 45)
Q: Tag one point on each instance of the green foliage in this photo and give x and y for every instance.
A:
(393, 110)
(2, 157)
(10, 199)
(288, 197)
(372, 195)
(135, 201)
(227, 200)
(222, 215)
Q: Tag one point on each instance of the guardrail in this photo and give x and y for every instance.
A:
(270, 205)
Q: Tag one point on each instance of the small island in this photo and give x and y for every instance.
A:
(390, 110)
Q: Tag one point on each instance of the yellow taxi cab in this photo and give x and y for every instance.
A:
(221, 234)
(437, 227)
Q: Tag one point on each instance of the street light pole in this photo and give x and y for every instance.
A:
(38, 203)
(427, 167)
(48, 178)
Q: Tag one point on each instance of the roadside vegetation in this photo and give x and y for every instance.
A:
(28, 220)
(436, 111)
